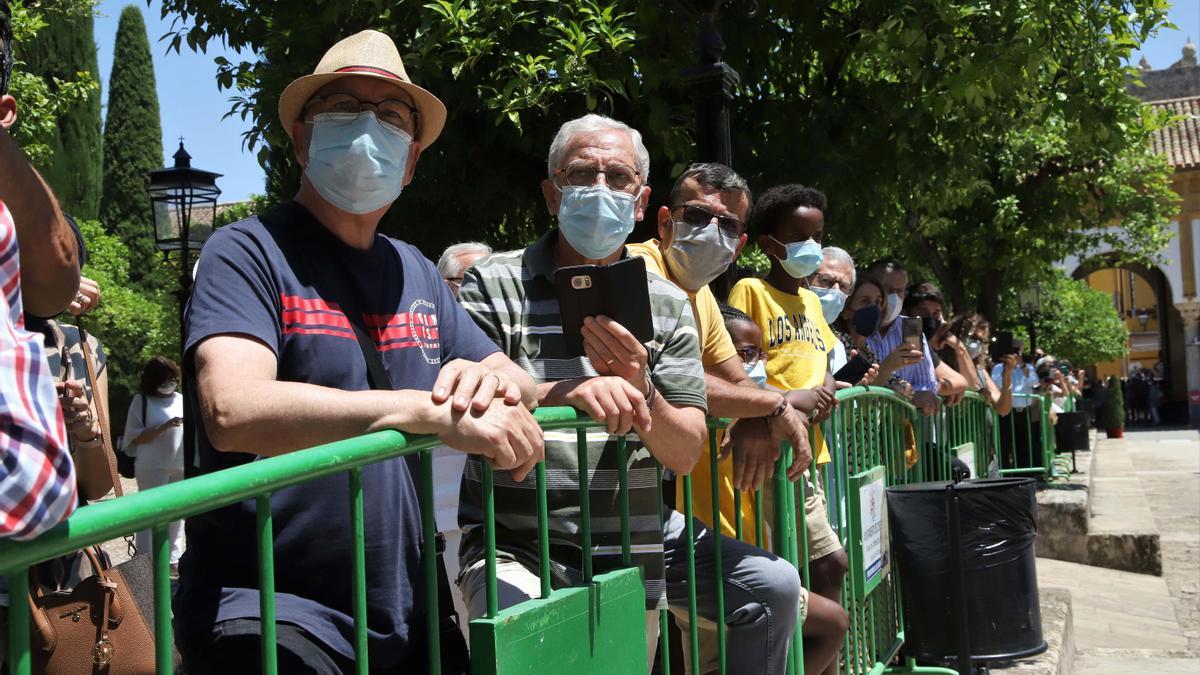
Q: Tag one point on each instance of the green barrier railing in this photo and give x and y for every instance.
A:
(873, 435)
(1024, 439)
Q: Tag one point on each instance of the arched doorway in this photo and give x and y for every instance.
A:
(1142, 297)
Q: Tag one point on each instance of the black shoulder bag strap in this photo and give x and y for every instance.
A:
(455, 657)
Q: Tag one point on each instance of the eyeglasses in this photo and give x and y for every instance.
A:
(394, 112)
(827, 281)
(455, 282)
(700, 217)
(750, 355)
(617, 176)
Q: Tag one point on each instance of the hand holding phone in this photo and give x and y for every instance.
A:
(854, 370)
(910, 329)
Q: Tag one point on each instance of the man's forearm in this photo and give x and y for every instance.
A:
(726, 399)
(268, 417)
(49, 253)
(677, 435)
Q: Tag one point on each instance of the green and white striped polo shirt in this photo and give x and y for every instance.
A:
(512, 297)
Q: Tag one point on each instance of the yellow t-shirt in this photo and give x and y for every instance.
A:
(796, 339)
(715, 344)
(715, 347)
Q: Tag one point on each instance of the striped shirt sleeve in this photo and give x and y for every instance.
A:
(37, 482)
(677, 372)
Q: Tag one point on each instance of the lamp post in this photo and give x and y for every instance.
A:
(183, 201)
(1030, 302)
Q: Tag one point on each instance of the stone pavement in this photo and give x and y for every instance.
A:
(1136, 623)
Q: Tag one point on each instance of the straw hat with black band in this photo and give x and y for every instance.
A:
(366, 54)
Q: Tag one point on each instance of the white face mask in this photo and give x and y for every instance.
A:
(757, 372)
(699, 254)
(894, 302)
(356, 162)
(167, 388)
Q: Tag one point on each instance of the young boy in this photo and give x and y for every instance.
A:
(825, 623)
(789, 221)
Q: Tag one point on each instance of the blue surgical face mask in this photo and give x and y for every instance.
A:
(803, 257)
(832, 302)
(356, 162)
(595, 220)
(757, 372)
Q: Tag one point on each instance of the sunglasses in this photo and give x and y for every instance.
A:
(700, 217)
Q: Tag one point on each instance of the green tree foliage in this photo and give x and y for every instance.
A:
(1076, 323)
(42, 101)
(983, 139)
(232, 213)
(132, 325)
(1112, 415)
(132, 142)
(65, 50)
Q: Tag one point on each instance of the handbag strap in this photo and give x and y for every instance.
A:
(101, 414)
(378, 379)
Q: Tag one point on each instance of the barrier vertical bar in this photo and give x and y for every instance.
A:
(543, 530)
(664, 639)
(265, 541)
(429, 555)
(623, 498)
(758, 519)
(19, 657)
(693, 615)
(489, 524)
(718, 576)
(737, 514)
(585, 501)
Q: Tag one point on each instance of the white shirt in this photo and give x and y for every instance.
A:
(165, 451)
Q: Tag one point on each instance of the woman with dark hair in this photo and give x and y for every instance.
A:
(154, 433)
(860, 319)
(974, 332)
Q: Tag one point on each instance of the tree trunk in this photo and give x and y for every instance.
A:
(950, 281)
(988, 302)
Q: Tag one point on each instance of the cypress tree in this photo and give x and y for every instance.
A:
(67, 46)
(132, 142)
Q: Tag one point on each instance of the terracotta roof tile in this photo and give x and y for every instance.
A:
(1180, 142)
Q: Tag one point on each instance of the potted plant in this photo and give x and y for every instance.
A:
(1112, 415)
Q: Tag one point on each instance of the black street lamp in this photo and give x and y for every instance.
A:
(1030, 301)
(713, 83)
(183, 201)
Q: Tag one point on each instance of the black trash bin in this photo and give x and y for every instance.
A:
(969, 592)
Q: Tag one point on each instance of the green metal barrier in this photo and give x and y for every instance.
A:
(1028, 422)
(868, 436)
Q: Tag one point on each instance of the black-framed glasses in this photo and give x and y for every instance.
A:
(391, 111)
(823, 280)
(698, 216)
(750, 355)
(617, 176)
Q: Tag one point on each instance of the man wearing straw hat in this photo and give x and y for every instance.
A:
(307, 327)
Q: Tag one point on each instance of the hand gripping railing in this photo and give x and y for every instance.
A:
(869, 428)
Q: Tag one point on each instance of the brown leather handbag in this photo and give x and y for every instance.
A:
(97, 627)
(104, 625)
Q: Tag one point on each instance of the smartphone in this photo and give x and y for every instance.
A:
(619, 291)
(1002, 345)
(911, 331)
(1064, 369)
(853, 371)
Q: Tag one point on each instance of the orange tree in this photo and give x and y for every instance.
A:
(985, 140)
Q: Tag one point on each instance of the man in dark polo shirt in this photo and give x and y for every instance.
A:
(276, 367)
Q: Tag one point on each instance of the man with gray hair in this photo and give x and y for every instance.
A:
(457, 258)
(596, 189)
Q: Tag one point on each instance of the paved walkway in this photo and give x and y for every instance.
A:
(1134, 623)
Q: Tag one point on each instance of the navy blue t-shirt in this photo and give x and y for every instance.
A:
(283, 280)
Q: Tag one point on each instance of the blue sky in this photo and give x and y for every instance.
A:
(1164, 49)
(189, 103)
(191, 106)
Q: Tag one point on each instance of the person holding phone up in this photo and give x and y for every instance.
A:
(597, 189)
(154, 438)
